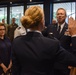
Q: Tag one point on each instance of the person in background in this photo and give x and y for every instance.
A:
(19, 31)
(5, 51)
(3, 21)
(72, 26)
(45, 29)
(34, 54)
(54, 22)
(11, 29)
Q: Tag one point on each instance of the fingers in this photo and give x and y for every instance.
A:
(5, 70)
(71, 22)
(72, 26)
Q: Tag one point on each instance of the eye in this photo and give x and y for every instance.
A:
(2, 29)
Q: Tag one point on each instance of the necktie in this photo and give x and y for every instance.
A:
(59, 27)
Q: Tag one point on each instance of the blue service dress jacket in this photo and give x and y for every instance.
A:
(52, 31)
(34, 54)
(65, 41)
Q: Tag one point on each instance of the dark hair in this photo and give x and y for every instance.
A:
(1, 24)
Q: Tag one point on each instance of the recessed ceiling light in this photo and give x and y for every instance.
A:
(30, 0)
(10, 2)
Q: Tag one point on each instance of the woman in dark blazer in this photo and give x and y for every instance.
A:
(34, 54)
(5, 51)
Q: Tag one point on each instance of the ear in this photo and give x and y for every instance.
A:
(42, 24)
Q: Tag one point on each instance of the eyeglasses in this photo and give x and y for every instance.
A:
(2, 29)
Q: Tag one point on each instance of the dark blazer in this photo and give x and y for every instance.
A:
(51, 31)
(34, 54)
(5, 52)
(65, 41)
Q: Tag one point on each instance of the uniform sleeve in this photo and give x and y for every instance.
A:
(16, 33)
(0, 61)
(74, 45)
(15, 64)
(65, 57)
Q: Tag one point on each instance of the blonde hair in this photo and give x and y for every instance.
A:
(32, 17)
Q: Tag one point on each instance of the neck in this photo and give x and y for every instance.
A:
(34, 30)
(38, 28)
(61, 23)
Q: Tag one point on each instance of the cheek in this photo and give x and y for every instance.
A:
(3, 32)
(64, 16)
(43, 23)
(56, 16)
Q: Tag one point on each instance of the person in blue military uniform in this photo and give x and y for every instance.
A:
(34, 54)
(58, 31)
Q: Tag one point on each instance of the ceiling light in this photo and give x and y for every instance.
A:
(30, 0)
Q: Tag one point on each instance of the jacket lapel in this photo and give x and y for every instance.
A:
(63, 30)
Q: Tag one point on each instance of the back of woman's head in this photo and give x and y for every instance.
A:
(33, 16)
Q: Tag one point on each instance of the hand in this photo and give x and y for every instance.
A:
(72, 26)
(4, 67)
(67, 33)
(69, 67)
(10, 65)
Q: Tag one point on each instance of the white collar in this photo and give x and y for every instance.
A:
(62, 25)
(34, 31)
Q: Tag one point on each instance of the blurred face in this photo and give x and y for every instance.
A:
(13, 20)
(3, 21)
(61, 16)
(53, 21)
(2, 30)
